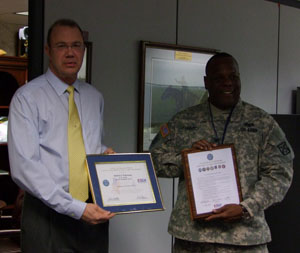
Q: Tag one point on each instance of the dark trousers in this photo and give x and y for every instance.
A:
(45, 231)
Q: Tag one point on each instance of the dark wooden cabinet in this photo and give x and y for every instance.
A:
(13, 73)
(17, 66)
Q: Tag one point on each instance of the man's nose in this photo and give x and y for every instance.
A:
(228, 80)
(70, 50)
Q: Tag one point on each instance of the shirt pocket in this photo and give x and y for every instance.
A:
(92, 136)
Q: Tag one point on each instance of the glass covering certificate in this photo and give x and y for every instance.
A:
(124, 183)
(212, 179)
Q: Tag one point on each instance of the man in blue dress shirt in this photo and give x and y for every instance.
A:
(52, 220)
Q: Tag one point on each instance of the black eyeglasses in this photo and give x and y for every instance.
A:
(63, 47)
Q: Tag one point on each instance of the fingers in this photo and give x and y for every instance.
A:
(217, 214)
(104, 219)
(230, 212)
(93, 214)
(109, 151)
(104, 215)
(203, 145)
(213, 217)
(223, 217)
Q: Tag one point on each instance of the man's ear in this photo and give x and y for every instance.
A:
(47, 50)
(206, 82)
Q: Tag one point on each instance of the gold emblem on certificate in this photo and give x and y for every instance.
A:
(212, 179)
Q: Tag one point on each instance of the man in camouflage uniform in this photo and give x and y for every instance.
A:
(264, 161)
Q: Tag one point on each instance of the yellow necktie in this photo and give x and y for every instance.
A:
(78, 178)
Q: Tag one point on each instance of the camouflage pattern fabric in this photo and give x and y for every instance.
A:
(264, 159)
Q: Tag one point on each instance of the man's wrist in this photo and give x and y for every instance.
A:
(245, 213)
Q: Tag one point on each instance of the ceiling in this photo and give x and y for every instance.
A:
(8, 8)
(294, 3)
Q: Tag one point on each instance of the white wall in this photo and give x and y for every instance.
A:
(289, 57)
(245, 29)
(248, 29)
(115, 29)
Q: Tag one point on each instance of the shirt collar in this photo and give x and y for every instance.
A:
(236, 114)
(58, 85)
(218, 112)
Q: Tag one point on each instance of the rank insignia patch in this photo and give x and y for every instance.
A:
(164, 130)
(283, 148)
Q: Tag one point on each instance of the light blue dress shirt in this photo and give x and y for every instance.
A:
(38, 138)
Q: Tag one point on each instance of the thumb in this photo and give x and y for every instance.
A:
(219, 210)
(103, 210)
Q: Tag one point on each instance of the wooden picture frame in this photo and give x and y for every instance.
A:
(212, 179)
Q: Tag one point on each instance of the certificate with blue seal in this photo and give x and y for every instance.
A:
(124, 183)
(212, 179)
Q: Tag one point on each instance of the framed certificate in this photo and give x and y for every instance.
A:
(212, 179)
(124, 183)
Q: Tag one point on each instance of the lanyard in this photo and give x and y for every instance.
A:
(225, 127)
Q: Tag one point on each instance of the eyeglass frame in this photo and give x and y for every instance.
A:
(63, 47)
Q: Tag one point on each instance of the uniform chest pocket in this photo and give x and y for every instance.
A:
(187, 135)
(251, 136)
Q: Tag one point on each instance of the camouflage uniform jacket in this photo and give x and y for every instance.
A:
(264, 159)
